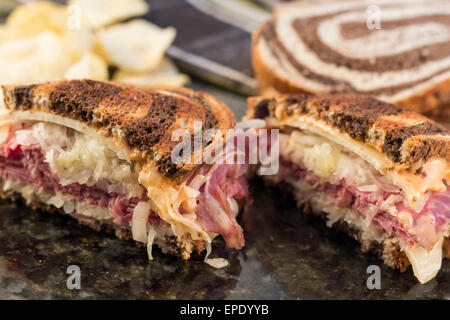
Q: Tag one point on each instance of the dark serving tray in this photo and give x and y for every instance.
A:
(287, 256)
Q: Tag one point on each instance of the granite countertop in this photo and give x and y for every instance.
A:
(287, 256)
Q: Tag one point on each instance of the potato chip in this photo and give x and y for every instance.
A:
(7, 34)
(77, 42)
(165, 74)
(36, 17)
(91, 66)
(100, 13)
(33, 60)
(43, 41)
(136, 46)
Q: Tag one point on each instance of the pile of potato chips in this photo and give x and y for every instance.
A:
(42, 41)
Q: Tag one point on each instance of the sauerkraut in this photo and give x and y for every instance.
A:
(331, 163)
(85, 177)
(348, 188)
(75, 157)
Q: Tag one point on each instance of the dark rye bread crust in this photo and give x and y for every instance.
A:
(401, 135)
(144, 118)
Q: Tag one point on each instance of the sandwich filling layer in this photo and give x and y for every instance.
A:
(65, 168)
(312, 165)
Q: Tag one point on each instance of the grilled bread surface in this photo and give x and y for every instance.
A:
(143, 118)
(402, 136)
(398, 134)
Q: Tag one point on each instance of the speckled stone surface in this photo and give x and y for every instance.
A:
(287, 256)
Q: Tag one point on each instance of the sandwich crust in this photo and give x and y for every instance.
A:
(402, 136)
(141, 117)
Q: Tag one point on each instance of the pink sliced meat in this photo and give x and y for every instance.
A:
(214, 212)
(225, 181)
(349, 196)
(27, 164)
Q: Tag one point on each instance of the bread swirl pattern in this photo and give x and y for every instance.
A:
(328, 48)
(142, 117)
(402, 136)
(333, 147)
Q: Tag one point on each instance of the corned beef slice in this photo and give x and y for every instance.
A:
(28, 164)
(349, 196)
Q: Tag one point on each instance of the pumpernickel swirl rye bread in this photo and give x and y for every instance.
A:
(379, 132)
(336, 48)
(141, 119)
(400, 136)
(135, 130)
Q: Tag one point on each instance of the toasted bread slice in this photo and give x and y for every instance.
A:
(399, 137)
(140, 119)
(378, 170)
(102, 152)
